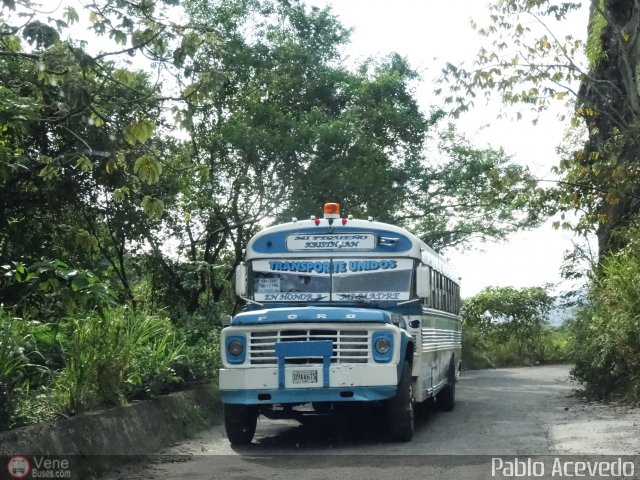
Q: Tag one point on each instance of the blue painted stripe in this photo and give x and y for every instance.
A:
(311, 349)
(311, 314)
(306, 395)
(272, 243)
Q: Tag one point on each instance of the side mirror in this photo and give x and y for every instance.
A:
(423, 281)
(241, 280)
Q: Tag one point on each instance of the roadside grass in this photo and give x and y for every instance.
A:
(98, 360)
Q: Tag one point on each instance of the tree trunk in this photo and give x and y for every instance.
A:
(611, 90)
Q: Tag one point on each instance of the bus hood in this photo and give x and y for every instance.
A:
(312, 314)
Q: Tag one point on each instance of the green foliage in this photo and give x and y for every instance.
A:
(607, 330)
(13, 362)
(53, 289)
(148, 169)
(153, 207)
(22, 363)
(139, 131)
(556, 345)
(474, 193)
(477, 348)
(200, 358)
(525, 62)
(504, 326)
(120, 354)
(52, 370)
(593, 47)
(486, 350)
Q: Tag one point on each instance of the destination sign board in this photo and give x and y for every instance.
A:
(331, 241)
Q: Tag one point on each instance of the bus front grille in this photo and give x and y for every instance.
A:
(349, 346)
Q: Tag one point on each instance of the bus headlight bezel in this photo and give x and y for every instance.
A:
(379, 343)
(236, 348)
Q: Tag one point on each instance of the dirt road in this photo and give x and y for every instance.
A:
(504, 412)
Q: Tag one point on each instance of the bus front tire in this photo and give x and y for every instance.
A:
(240, 423)
(400, 409)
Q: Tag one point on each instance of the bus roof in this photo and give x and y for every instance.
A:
(318, 238)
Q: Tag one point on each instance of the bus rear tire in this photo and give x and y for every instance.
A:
(446, 400)
(400, 409)
(240, 423)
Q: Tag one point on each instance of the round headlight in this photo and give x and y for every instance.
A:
(382, 345)
(235, 347)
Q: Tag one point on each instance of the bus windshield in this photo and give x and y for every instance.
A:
(331, 279)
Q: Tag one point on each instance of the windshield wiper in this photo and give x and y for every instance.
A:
(248, 300)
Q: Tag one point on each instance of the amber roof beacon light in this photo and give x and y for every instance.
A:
(331, 210)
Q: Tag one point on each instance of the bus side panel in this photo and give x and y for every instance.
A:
(441, 336)
(421, 371)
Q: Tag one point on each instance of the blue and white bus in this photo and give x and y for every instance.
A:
(339, 310)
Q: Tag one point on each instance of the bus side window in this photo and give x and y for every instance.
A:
(426, 301)
(433, 288)
(445, 294)
(448, 289)
(429, 299)
(451, 297)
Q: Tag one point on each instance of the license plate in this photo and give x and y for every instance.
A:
(304, 376)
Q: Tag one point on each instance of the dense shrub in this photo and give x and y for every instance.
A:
(505, 327)
(486, 350)
(476, 351)
(201, 356)
(99, 360)
(117, 355)
(607, 331)
(555, 346)
(12, 365)
(22, 365)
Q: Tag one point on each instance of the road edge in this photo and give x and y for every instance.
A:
(103, 440)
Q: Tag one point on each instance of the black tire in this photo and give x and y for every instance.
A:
(240, 423)
(446, 400)
(400, 409)
(321, 407)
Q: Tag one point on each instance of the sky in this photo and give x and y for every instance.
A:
(430, 33)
